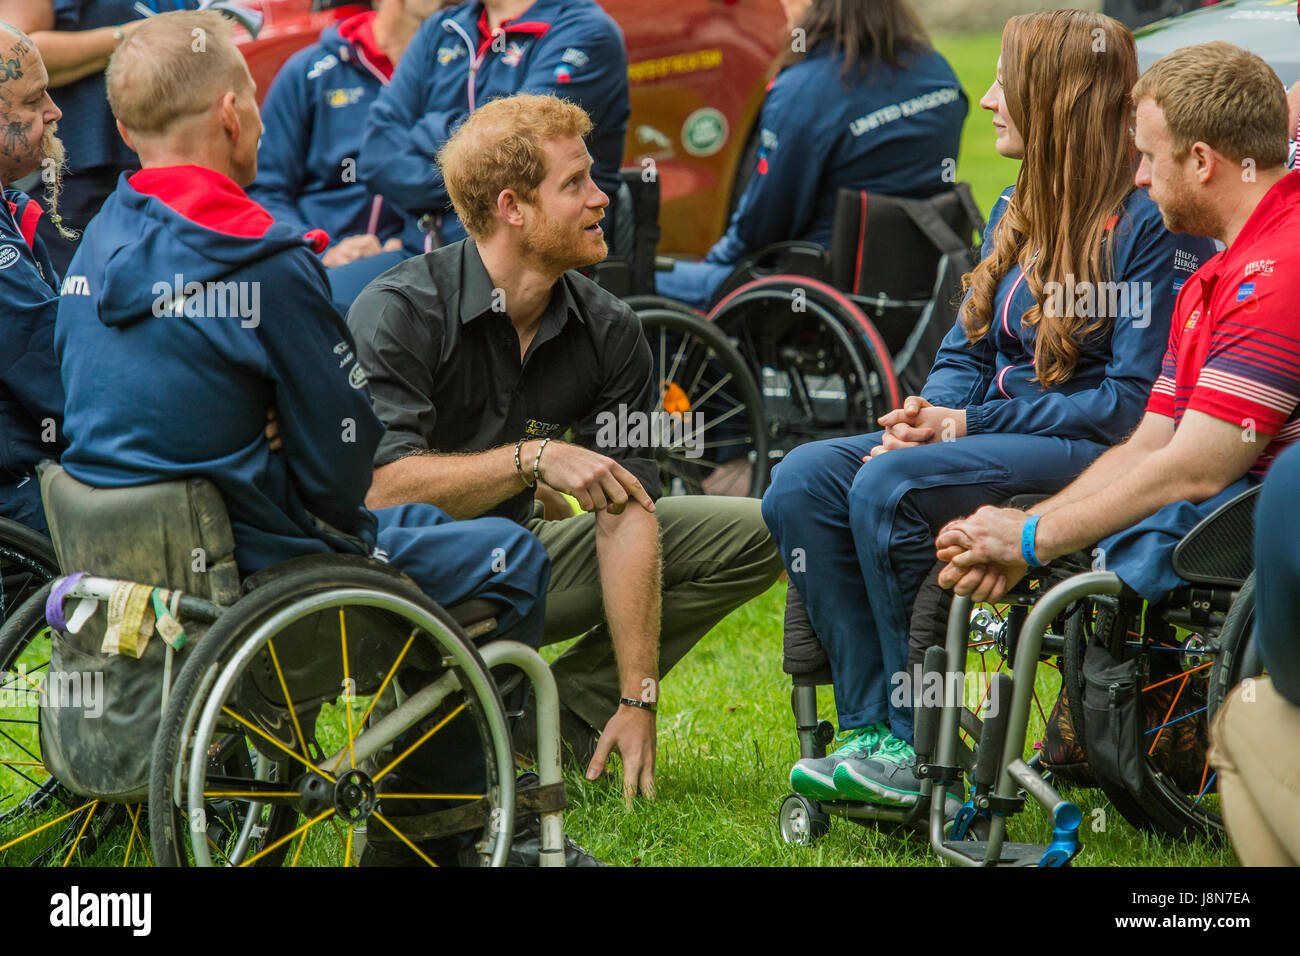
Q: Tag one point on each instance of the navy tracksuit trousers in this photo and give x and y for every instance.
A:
(858, 540)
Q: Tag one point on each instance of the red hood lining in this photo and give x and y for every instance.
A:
(211, 200)
(359, 30)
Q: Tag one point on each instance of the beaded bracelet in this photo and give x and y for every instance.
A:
(537, 462)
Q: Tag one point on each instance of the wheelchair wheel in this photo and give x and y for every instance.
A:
(1176, 670)
(27, 561)
(714, 437)
(644, 303)
(823, 367)
(346, 685)
(1238, 652)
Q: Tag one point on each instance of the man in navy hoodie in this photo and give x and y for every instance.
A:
(189, 312)
(31, 395)
(307, 163)
(482, 51)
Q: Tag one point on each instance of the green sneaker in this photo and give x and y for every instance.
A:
(888, 776)
(813, 777)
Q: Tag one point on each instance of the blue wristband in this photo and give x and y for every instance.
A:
(1027, 542)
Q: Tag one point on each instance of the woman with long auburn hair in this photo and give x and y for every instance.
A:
(1057, 344)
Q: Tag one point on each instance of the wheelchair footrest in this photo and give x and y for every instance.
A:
(1011, 854)
(547, 799)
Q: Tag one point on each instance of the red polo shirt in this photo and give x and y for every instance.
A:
(1234, 344)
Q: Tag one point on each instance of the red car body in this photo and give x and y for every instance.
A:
(698, 71)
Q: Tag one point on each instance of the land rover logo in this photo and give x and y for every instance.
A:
(8, 256)
(704, 132)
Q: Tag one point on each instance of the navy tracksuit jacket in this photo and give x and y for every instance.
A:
(188, 312)
(31, 395)
(890, 132)
(858, 538)
(313, 116)
(570, 48)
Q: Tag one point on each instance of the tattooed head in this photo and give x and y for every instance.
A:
(27, 114)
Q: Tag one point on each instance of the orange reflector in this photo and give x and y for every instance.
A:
(675, 399)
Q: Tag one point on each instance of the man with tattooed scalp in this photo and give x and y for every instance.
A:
(31, 394)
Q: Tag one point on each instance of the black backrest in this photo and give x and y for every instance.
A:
(1220, 550)
(633, 236)
(890, 246)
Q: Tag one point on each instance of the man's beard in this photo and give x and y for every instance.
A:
(558, 249)
(53, 166)
(1182, 213)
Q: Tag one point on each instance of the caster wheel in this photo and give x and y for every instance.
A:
(977, 831)
(802, 823)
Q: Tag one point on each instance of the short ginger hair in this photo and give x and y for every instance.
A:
(1221, 95)
(174, 66)
(502, 146)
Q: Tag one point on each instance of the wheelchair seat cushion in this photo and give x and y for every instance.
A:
(97, 731)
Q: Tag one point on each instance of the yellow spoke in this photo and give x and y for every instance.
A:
(347, 850)
(135, 831)
(401, 836)
(253, 794)
(22, 763)
(409, 750)
(387, 677)
(287, 837)
(431, 796)
(302, 842)
(347, 691)
(84, 824)
(284, 689)
(46, 826)
(261, 733)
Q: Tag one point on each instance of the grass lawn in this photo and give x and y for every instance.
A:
(726, 743)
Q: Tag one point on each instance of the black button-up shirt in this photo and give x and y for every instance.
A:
(445, 375)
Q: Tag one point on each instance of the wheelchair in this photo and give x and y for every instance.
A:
(826, 341)
(1141, 682)
(288, 718)
(27, 562)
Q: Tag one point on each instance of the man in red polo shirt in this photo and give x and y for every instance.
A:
(1211, 128)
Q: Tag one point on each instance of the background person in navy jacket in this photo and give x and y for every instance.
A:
(1033, 383)
(76, 38)
(869, 105)
(194, 312)
(478, 52)
(313, 115)
(31, 395)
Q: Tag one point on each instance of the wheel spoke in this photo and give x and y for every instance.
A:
(261, 733)
(85, 823)
(287, 837)
(411, 749)
(348, 692)
(288, 701)
(374, 699)
(401, 836)
(46, 826)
